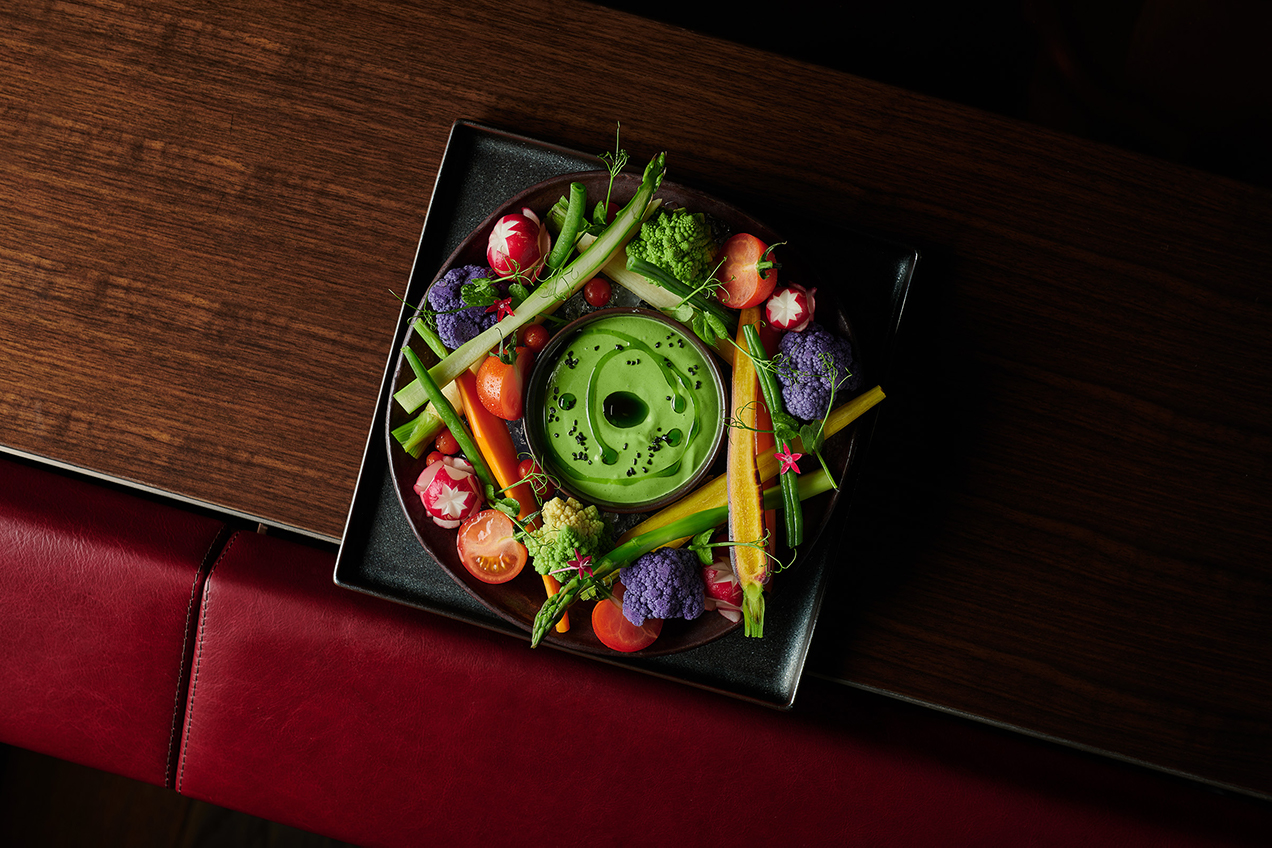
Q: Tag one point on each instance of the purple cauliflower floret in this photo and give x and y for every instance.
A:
(666, 583)
(444, 298)
(810, 361)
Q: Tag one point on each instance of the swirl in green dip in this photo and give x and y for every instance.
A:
(631, 410)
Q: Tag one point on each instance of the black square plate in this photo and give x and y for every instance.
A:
(380, 555)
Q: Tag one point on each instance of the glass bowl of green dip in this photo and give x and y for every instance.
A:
(626, 409)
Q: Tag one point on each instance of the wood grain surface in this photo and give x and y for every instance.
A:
(1064, 523)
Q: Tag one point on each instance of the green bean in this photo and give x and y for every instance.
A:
(792, 510)
(451, 419)
(569, 228)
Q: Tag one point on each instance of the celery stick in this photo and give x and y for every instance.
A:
(416, 434)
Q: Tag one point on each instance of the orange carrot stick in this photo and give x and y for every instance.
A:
(493, 440)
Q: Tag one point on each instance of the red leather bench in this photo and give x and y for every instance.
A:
(98, 594)
(250, 680)
(377, 724)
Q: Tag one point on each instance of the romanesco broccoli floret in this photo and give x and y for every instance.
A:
(569, 530)
(456, 321)
(666, 583)
(680, 242)
(811, 362)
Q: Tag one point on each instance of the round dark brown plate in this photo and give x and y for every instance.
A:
(518, 600)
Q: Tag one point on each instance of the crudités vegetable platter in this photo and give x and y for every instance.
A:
(393, 545)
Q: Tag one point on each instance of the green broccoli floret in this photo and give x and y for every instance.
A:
(569, 530)
(679, 242)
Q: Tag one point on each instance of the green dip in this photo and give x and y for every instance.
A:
(631, 410)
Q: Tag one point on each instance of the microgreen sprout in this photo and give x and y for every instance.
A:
(702, 545)
(706, 325)
(615, 161)
(507, 505)
(540, 481)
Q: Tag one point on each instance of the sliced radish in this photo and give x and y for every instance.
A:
(723, 591)
(517, 245)
(450, 491)
(791, 308)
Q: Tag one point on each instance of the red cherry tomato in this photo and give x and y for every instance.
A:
(597, 292)
(616, 632)
(488, 548)
(533, 336)
(501, 385)
(446, 443)
(542, 486)
(433, 456)
(746, 276)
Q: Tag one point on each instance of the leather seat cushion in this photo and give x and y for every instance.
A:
(98, 594)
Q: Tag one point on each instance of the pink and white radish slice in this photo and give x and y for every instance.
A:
(450, 491)
(791, 308)
(723, 591)
(518, 244)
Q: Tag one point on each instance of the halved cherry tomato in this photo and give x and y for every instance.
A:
(616, 632)
(488, 548)
(597, 292)
(446, 443)
(533, 336)
(542, 485)
(746, 276)
(501, 385)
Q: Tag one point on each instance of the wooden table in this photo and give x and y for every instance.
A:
(1064, 524)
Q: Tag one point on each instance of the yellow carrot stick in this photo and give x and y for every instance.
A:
(746, 499)
(715, 491)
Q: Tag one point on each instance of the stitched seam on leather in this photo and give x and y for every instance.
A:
(215, 548)
(194, 679)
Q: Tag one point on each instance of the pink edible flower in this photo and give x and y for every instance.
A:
(787, 459)
(501, 308)
(583, 564)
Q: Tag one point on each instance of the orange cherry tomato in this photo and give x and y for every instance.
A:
(616, 632)
(488, 548)
(542, 486)
(747, 277)
(446, 443)
(501, 385)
